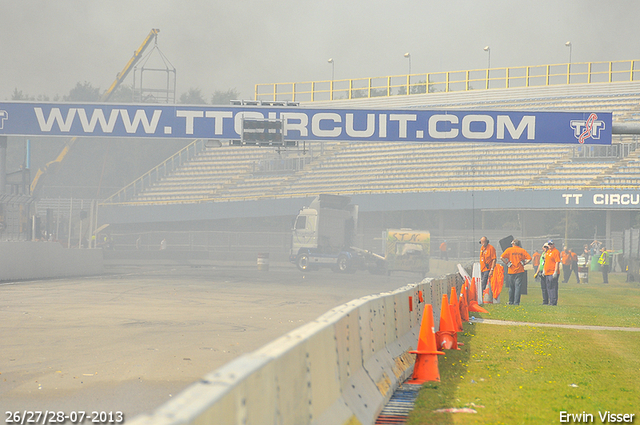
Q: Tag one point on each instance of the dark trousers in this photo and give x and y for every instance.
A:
(574, 268)
(605, 273)
(484, 278)
(515, 287)
(543, 287)
(566, 270)
(552, 289)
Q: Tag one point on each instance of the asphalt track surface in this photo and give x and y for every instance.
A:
(130, 340)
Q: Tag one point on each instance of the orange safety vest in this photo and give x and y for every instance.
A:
(487, 256)
(536, 259)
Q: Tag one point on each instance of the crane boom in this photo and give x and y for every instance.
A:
(152, 36)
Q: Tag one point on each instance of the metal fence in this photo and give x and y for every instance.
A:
(14, 217)
(451, 81)
(613, 151)
(213, 241)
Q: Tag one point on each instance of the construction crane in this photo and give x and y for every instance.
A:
(51, 166)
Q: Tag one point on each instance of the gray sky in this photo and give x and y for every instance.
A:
(48, 46)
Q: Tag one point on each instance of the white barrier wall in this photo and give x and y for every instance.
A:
(42, 260)
(339, 369)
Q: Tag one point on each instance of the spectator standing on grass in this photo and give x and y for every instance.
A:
(595, 246)
(536, 259)
(574, 265)
(565, 258)
(605, 262)
(586, 253)
(444, 255)
(487, 261)
(539, 274)
(552, 272)
(516, 257)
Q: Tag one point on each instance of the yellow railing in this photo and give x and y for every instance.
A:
(452, 81)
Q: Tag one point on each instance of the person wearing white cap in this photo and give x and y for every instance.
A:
(540, 274)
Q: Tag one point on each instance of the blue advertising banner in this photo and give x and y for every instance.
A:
(304, 124)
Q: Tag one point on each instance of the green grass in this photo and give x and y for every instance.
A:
(528, 374)
(616, 304)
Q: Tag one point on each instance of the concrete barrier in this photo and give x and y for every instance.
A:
(341, 368)
(43, 260)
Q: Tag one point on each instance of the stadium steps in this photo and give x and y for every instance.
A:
(278, 188)
(615, 169)
(228, 187)
(329, 152)
(550, 169)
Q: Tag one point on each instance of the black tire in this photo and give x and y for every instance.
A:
(303, 263)
(378, 268)
(343, 265)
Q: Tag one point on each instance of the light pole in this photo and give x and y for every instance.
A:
(488, 50)
(333, 68)
(408, 56)
(570, 46)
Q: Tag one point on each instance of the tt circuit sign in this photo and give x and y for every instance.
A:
(304, 124)
(604, 199)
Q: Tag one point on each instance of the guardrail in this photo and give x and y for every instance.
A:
(451, 81)
(341, 368)
(156, 173)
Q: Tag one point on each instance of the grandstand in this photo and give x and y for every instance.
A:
(225, 172)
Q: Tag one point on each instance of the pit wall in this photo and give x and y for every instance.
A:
(341, 368)
(44, 260)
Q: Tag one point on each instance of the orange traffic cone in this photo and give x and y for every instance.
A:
(464, 305)
(474, 306)
(446, 337)
(473, 298)
(426, 367)
(487, 296)
(473, 294)
(455, 310)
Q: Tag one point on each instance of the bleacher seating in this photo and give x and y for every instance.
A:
(231, 172)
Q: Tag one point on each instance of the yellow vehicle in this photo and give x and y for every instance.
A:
(407, 250)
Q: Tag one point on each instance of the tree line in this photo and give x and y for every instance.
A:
(86, 92)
